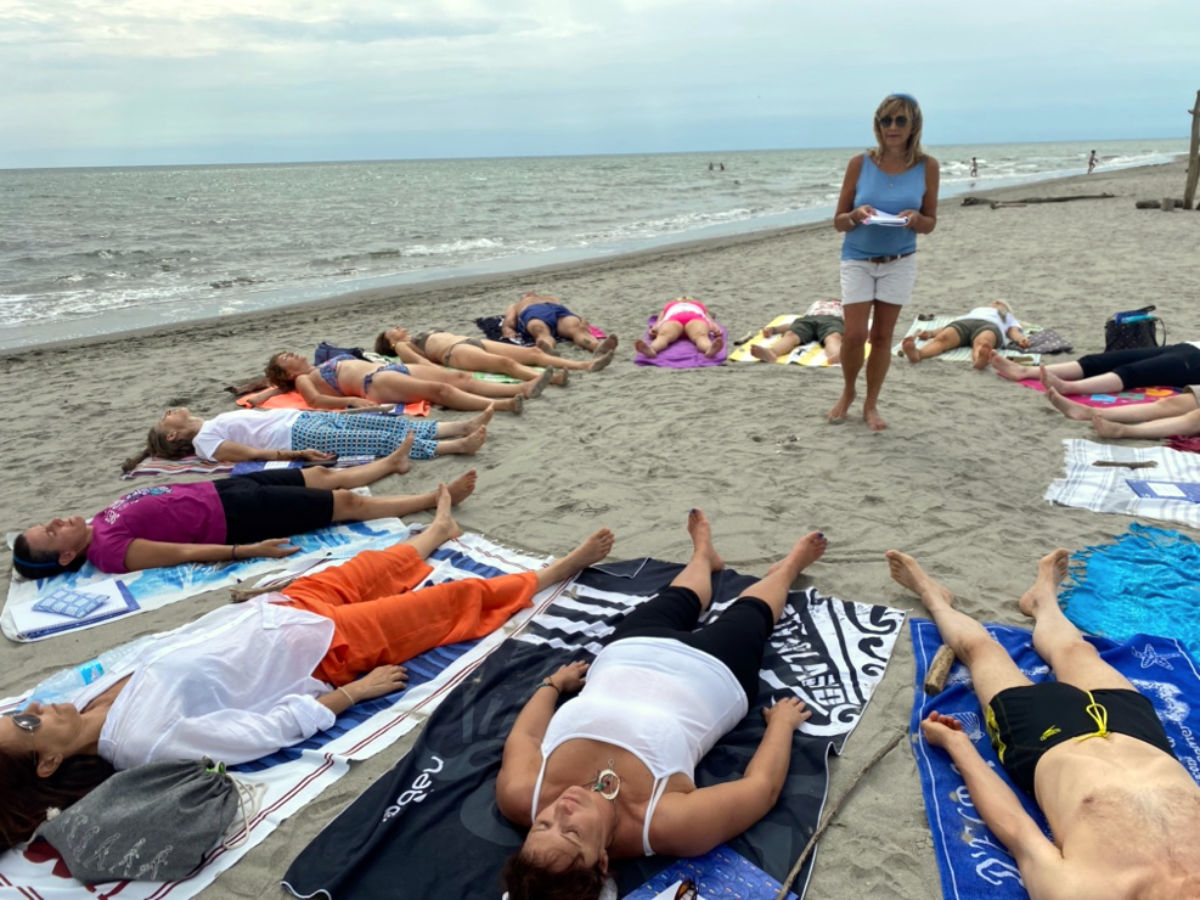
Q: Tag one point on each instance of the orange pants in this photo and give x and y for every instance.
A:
(378, 618)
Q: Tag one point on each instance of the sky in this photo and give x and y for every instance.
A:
(144, 82)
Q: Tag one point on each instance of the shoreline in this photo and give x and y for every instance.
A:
(957, 479)
(403, 291)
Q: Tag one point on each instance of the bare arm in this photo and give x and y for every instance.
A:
(691, 824)
(232, 451)
(408, 353)
(508, 325)
(318, 399)
(523, 748)
(379, 682)
(924, 221)
(144, 554)
(847, 217)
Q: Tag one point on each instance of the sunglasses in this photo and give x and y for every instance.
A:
(886, 121)
(25, 721)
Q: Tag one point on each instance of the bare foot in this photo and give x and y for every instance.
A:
(475, 422)
(908, 347)
(980, 357)
(645, 349)
(513, 405)
(443, 520)
(398, 460)
(560, 378)
(1052, 569)
(1006, 368)
(763, 352)
(715, 346)
(608, 345)
(462, 486)
(469, 445)
(804, 552)
(700, 529)
(873, 419)
(833, 358)
(1068, 408)
(591, 551)
(837, 415)
(601, 361)
(1107, 428)
(1050, 380)
(907, 572)
(534, 388)
(545, 344)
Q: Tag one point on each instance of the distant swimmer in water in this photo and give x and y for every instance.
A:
(1092, 162)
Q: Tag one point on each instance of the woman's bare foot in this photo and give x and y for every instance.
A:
(608, 345)
(513, 405)
(472, 424)
(534, 388)
(873, 419)
(398, 460)
(763, 352)
(1052, 569)
(908, 347)
(645, 349)
(1050, 380)
(1107, 428)
(1006, 368)
(560, 378)
(462, 487)
(700, 529)
(1068, 408)
(837, 415)
(545, 344)
(907, 572)
(601, 361)
(468, 445)
(443, 524)
(804, 553)
(715, 345)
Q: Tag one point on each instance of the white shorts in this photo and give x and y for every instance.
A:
(891, 282)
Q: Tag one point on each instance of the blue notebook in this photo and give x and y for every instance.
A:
(1166, 490)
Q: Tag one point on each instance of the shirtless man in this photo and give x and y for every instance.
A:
(544, 318)
(1124, 813)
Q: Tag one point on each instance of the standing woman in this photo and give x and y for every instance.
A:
(896, 178)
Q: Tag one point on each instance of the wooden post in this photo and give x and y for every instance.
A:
(1193, 172)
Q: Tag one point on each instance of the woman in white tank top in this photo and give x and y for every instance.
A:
(610, 773)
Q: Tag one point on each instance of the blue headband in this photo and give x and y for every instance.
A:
(908, 98)
(36, 565)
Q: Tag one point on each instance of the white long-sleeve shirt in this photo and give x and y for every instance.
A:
(234, 685)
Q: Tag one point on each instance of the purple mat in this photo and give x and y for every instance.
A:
(682, 354)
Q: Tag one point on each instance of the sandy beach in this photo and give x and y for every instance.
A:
(956, 480)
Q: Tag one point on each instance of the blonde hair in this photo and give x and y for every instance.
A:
(900, 105)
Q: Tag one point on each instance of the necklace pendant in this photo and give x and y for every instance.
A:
(608, 784)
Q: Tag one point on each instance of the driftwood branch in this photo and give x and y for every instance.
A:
(999, 204)
(939, 671)
(827, 819)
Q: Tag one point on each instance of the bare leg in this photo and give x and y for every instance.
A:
(854, 342)
(590, 552)
(608, 345)
(466, 356)
(1187, 424)
(1109, 382)
(698, 333)
(1056, 640)
(468, 445)
(992, 670)
(466, 426)
(1017, 372)
(981, 350)
(540, 332)
(536, 356)
(393, 387)
(882, 327)
(576, 330)
(833, 349)
(351, 507)
(1069, 408)
(443, 527)
(697, 574)
(946, 339)
(665, 335)
(781, 346)
(395, 463)
(773, 587)
(1178, 407)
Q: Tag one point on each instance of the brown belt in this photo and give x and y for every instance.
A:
(883, 259)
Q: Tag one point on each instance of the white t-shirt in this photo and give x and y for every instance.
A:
(264, 429)
(234, 685)
(1003, 321)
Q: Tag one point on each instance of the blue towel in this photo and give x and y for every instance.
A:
(1143, 582)
(973, 863)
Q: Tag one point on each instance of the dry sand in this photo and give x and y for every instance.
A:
(956, 480)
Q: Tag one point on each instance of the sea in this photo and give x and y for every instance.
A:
(95, 251)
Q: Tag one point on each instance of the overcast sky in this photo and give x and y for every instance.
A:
(128, 82)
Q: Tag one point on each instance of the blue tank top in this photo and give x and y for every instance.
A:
(889, 194)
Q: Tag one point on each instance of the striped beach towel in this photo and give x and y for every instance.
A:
(449, 839)
(194, 465)
(291, 778)
(960, 354)
(974, 865)
(1161, 491)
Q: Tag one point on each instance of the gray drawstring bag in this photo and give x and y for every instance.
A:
(150, 823)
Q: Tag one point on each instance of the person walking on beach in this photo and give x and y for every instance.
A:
(544, 320)
(1092, 162)
(822, 323)
(1087, 746)
(974, 168)
(900, 181)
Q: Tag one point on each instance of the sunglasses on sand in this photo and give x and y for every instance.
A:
(25, 721)
(886, 121)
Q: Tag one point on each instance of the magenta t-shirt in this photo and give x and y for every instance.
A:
(175, 513)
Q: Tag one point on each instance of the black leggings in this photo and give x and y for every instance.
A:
(1176, 364)
(737, 638)
(271, 504)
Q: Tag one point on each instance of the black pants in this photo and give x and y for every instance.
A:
(1175, 364)
(272, 504)
(737, 638)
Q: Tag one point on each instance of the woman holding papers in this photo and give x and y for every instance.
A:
(889, 196)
